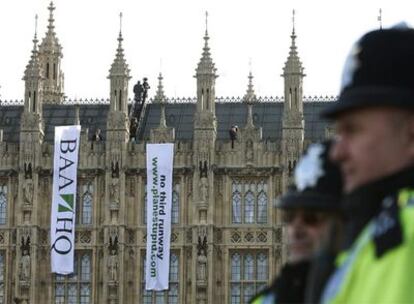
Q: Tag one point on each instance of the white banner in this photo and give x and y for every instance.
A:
(62, 226)
(159, 194)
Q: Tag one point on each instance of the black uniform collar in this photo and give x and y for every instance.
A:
(364, 203)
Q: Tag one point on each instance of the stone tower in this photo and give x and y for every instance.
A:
(115, 156)
(31, 139)
(51, 55)
(293, 126)
(205, 133)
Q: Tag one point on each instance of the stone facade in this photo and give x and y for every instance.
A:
(227, 239)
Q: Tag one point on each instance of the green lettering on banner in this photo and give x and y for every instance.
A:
(68, 198)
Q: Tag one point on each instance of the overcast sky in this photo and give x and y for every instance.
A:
(167, 36)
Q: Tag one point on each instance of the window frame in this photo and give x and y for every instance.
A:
(165, 296)
(74, 280)
(242, 280)
(255, 191)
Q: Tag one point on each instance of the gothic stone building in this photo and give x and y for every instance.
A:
(227, 239)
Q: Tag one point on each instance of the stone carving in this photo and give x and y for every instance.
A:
(249, 237)
(235, 238)
(85, 237)
(174, 237)
(28, 190)
(262, 237)
(24, 266)
(202, 258)
(203, 186)
(113, 258)
(114, 193)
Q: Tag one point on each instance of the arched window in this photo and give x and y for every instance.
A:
(85, 210)
(170, 296)
(30, 100)
(236, 203)
(248, 267)
(3, 204)
(249, 275)
(262, 203)
(235, 267)
(249, 202)
(76, 287)
(175, 208)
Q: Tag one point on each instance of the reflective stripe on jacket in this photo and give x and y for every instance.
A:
(366, 276)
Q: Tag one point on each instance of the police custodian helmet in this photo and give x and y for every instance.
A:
(318, 182)
(379, 71)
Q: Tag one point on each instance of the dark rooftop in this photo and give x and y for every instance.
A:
(266, 114)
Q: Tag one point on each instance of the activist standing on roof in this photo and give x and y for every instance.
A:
(309, 208)
(374, 119)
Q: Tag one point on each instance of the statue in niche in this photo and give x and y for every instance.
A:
(28, 190)
(114, 193)
(28, 170)
(203, 186)
(24, 266)
(202, 258)
(113, 258)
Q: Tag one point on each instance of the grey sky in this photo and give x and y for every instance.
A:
(171, 32)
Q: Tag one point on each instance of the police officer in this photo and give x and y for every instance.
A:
(308, 209)
(374, 119)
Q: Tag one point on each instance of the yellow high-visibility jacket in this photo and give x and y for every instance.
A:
(379, 267)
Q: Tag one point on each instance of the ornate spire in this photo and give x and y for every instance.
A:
(293, 63)
(206, 65)
(50, 43)
(160, 96)
(51, 8)
(119, 67)
(33, 68)
(250, 96)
